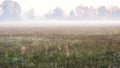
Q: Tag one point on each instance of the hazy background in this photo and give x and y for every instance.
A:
(61, 24)
(59, 12)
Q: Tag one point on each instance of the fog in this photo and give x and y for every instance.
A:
(59, 23)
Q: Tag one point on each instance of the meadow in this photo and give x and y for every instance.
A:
(60, 47)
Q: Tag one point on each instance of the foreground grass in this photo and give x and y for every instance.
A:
(60, 49)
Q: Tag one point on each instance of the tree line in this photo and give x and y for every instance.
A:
(11, 10)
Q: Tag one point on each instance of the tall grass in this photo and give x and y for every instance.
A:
(60, 50)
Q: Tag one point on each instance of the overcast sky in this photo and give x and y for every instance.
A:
(43, 6)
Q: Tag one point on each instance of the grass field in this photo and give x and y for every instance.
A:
(60, 47)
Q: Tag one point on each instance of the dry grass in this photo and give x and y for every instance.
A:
(60, 47)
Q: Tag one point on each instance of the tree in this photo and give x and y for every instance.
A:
(102, 12)
(11, 10)
(115, 12)
(72, 13)
(31, 14)
(0, 10)
(85, 12)
(57, 13)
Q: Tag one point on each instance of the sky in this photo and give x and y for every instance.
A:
(43, 6)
